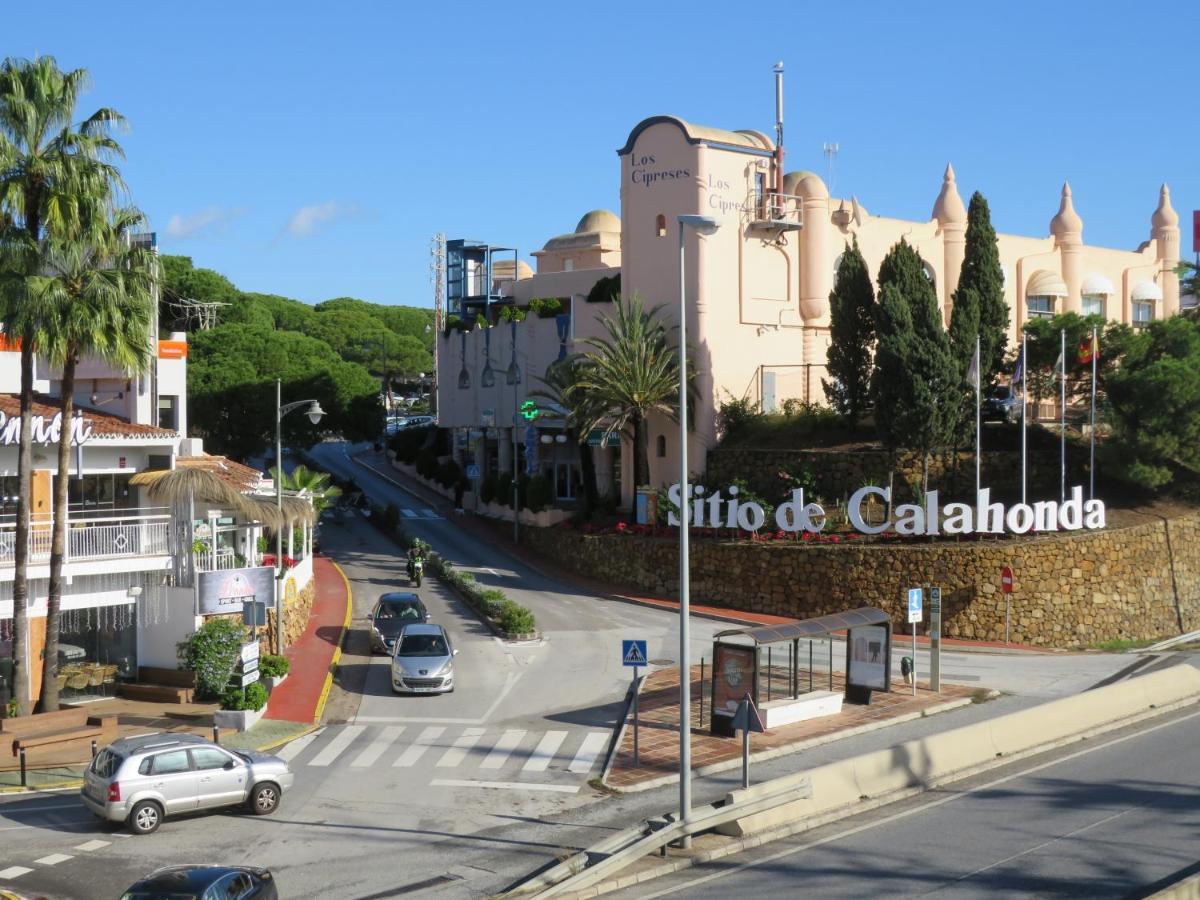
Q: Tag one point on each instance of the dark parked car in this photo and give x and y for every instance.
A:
(391, 613)
(204, 883)
(1000, 404)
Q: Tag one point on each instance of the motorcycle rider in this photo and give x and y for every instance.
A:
(415, 552)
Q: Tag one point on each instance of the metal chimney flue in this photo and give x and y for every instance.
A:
(779, 127)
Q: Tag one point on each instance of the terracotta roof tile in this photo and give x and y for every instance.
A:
(104, 425)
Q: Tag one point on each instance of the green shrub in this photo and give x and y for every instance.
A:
(493, 602)
(517, 619)
(211, 652)
(512, 313)
(427, 464)
(487, 488)
(448, 473)
(504, 489)
(253, 697)
(606, 290)
(274, 666)
(391, 517)
(538, 493)
(546, 307)
(735, 414)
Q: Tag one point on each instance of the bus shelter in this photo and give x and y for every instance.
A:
(744, 662)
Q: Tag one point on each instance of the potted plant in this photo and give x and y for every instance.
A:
(273, 671)
(241, 708)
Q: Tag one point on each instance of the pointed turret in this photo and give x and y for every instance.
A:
(949, 209)
(1165, 216)
(1067, 227)
(1164, 230)
(951, 217)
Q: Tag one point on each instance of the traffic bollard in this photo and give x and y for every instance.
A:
(94, 751)
(24, 782)
(216, 735)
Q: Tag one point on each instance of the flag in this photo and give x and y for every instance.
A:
(1019, 371)
(1089, 348)
(973, 369)
(1060, 365)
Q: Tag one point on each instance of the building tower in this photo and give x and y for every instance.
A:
(816, 272)
(1067, 229)
(951, 217)
(1164, 230)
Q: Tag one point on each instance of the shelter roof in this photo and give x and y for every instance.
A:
(806, 629)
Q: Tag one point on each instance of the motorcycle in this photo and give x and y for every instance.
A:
(416, 568)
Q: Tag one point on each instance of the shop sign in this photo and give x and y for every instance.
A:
(598, 438)
(931, 518)
(43, 432)
(218, 593)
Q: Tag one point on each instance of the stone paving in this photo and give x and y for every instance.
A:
(658, 739)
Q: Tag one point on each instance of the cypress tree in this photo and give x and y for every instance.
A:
(964, 328)
(916, 381)
(852, 331)
(982, 274)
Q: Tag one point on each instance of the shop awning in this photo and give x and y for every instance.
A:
(1096, 284)
(1044, 283)
(1146, 290)
(807, 629)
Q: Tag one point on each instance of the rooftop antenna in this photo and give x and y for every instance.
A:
(779, 127)
(831, 152)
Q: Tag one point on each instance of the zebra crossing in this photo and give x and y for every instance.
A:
(424, 513)
(451, 750)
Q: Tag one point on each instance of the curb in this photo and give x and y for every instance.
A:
(337, 652)
(797, 747)
(620, 730)
(279, 742)
(65, 786)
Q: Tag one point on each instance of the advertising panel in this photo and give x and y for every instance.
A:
(735, 673)
(227, 591)
(869, 652)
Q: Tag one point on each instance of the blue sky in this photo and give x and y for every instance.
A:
(312, 149)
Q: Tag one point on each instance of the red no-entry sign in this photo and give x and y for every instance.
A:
(1006, 579)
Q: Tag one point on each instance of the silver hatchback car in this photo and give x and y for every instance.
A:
(140, 780)
(423, 660)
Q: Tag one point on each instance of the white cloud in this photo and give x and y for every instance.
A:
(210, 220)
(309, 220)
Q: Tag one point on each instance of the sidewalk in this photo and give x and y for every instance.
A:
(500, 534)
(301, 698)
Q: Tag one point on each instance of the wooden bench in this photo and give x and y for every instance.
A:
(65, 730)
(160, 685)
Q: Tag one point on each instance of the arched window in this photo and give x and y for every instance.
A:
(661, 445)
(660, 225)
(1040, 306)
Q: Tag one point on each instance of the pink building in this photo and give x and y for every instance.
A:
(758, 289)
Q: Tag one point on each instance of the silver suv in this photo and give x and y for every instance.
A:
(139, 780)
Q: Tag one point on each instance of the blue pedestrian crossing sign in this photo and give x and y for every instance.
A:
(633, 653)
(914, 605)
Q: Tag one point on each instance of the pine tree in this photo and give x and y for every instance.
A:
(982, 274)
(852, 330)
(916, 380)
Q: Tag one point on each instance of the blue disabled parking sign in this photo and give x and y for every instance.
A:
(914, 605)
(633, 653)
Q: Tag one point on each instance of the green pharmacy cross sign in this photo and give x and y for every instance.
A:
(530, 411)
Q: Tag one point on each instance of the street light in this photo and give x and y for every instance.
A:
(315, 414)
(513, 376)
(705, 225)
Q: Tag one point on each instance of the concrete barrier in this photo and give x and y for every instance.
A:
(924, 761)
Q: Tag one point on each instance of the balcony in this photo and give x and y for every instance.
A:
(114, 535)
(772, 211)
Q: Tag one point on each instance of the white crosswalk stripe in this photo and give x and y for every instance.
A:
(502, 749)
(89, 846)
(588, 751)
(408, 513)
(430, 514)
(296, 747)
(14, 872)
(53, 859)
(340, 742)
(376, 748)
(459, 749)
(540, 759)
(410, 756)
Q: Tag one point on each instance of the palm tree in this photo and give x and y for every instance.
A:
(98, 286)
(629, 375)
(312, 484)
(559, 390)
(45, 158)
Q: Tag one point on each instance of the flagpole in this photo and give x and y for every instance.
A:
(978, 426)
(1092, 461)
(1062, 418)
(1024, 405)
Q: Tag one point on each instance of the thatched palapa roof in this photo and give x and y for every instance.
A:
(202, 484)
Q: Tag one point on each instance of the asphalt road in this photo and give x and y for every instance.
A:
(1117, 817)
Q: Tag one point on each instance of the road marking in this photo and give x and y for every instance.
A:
(410, 756)
(415, 720)
(541, 756)
(14, 872)
(375, 749)
(458, 750)
(430, 514)
(588, 751)
(92, 845)
(408, 514)
(335, 747)
(53, 859)
(850, 832)
(509, 680)
(502, 749)
(506, 785)
(296, 747)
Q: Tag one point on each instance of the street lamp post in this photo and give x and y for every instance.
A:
(513, 376)
(314, 415)
(705, 225)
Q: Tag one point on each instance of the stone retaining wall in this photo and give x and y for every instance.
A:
(1069, 591)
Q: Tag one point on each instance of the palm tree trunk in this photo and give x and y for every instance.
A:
(641, 454)
(58, 542)
(20, 642)
(587, 472)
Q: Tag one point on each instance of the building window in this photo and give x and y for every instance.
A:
(660, 225)
(1093, 304)
(1040, 307)
(929, 274)
(661, 446)
(167, 417)
(1143, 313)
(568, 265)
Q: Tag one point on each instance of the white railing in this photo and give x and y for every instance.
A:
(770, 209)
(224, 559)
(119, 533)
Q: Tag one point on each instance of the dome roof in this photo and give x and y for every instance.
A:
(1067, 223)
(503, 268)
(1044, 283)
(805, 184)
(1164, 216)
(949, 209)
(598, 220)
